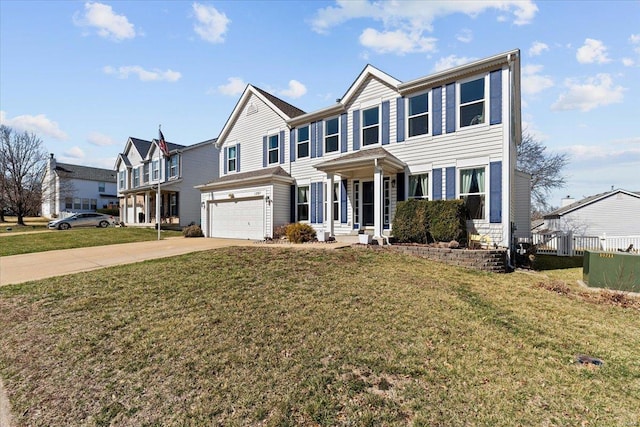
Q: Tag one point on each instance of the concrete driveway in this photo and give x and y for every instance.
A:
(40, 265)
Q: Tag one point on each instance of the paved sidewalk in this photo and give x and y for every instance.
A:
(40, 265)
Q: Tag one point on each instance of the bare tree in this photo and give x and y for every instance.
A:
(22, 162)
(545, 170)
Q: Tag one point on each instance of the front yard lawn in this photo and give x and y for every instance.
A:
(272, 336)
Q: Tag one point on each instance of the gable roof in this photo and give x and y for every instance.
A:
(285, 110)
(85, 172)
(141, 146)
(588, 201)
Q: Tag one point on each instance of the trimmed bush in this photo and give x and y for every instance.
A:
(422, 221)
(106, 211)
(300, 233)
(192, 231)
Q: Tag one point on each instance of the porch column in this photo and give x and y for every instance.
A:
(147, 211)
(330, 202)
(377, 201)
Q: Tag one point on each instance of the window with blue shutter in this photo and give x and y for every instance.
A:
(320, 138)
(437, 111)
(314, 203)
(292, 145)
(281, 146)
(226, 157)
(343, 133)
(451, 182)
(386, 112)
(314, 139)
(292, 203)
(495, 103)
(495, 192)
(238, 157)
(264, 151)
(400, 119)
(356, 130)
(451, 107)
(436, 183)
(343, 201)
(400, 187)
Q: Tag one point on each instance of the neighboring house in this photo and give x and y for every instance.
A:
(75, 188)
(614, 213)
(343, 168)
(140, 168)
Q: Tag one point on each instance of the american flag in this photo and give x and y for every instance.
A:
(163, 144)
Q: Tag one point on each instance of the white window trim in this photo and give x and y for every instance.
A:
(269, 150)
(429, 114)
(177, 175)
(235, 158)
(429, 185)
(459, 194)
(379, 124)
(336, 183)
(308, 141)
(486, 102)
(324, 141)
(308, 203)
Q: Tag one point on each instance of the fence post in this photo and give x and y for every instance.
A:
(603, 241)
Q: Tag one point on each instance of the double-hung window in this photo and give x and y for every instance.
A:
(101, 187)
(231, 159)
(418, 116)
(472, 102)
(155, 170)
(273, 149)
(419, 186)
(371, 126)
(174, 162)
(303, 203)
(68, 203)
(121, 180)
(136, 177)
(146, 173)
(336, 201)
(472, 191)
(303, 141)
(331, 135)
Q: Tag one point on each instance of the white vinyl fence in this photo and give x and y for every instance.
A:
(567, 244)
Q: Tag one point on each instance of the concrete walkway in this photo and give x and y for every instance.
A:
(40, 265)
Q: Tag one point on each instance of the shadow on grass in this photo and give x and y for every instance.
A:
(553, 262)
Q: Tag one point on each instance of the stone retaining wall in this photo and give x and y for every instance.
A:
(486, 260)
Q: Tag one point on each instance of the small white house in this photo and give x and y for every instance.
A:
(344, 168)
(614, 213)
(76, 188)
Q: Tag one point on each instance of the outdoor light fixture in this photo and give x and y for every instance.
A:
(202, 205)
(393, 183)
(268, 200)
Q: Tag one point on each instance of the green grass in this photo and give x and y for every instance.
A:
(31, 224)
(271, 336)
(77, 238)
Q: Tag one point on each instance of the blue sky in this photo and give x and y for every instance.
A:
(84, 76)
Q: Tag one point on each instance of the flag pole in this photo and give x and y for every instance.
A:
(159, 180)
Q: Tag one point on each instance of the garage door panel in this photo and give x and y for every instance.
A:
(238, 219)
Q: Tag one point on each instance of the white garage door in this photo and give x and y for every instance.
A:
(238, 219)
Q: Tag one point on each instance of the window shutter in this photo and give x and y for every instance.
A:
(451, 107)
(436, 184)
(495, 103)
(314, 201)
(320, 144)
(437, 110)
(400, 119)
(343, 133)
(343, 201)
(178, 204)
(319, 202)
(313, 140)
(292, 204)
(292, 145)
(238, 157)
(281, 146)
(264, 151)
(386, 107)
(400, 196)
(451, 183)
(495, 192)
(356, 130)
(226, 157)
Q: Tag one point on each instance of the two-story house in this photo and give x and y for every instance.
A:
(141, 168)
(449, 135)
(70, 188)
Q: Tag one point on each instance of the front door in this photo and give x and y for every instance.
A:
(367, 203)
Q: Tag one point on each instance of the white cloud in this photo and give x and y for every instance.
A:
(628, 62)
(592, 51)
(398, 41)
(144, 75)
(532, 81)
(416, 15)
(450, 62)
(74, 153)
(107, 23)
(211, 25)
(594, 92)
(537, 48)
(235, 86)
(100, 140)
(39, 125)
(465, 36)
(295, 90)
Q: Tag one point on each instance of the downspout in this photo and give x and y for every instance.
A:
(382, 236)
(510, 62)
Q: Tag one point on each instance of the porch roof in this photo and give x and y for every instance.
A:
(261, 176)
(367, 158)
